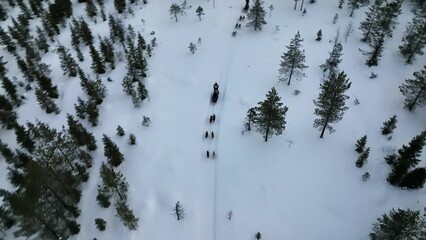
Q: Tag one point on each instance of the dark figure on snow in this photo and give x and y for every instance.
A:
(236, 25)
(239, 25)
(214, 117)
(215, 86)
(213, 154)
(206, 135)
(244, 17)
(208, 154)
(258, 236)
(241, 18)
(199, 41)
(246, 7)
(212, 134)
(234, 33)
(211, 118)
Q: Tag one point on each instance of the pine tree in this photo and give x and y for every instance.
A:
(414, 39)
(251, 118)
(10, 89)
(41, 40)
(175, 10)
(107, 50)
(179, 211)
(80, 55)
(45, 102)
(3, 13)
(8, 118)
(374, 55)
(142, 91)
(112, 152)
(98, 66)
(331, 102)
(353, 4)
(132, 139)
(414, 179)
(100, 224)
(59, 11)
(120, 5)
(389, 125)
(24, 8)
(92, 112)
(362, 158)
(84, 32)
(200, 12)
(270, 115)
(331, 64)
(407, 157)
(292, 63)
(68, 65)
(36, 6)
(7, 41)
(24, 139)
(192, 48)
(75, 32)
(360, 144)
(79, 134)
(91, 9)
(120, 131)
(256, 15)
(126, 215)
(400, 224)
(370, 24)
(45, 84)
(389, 14)
(414, 90)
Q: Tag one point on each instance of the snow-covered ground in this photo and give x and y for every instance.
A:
(295, 186)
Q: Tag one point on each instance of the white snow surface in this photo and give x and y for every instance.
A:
(296, 185)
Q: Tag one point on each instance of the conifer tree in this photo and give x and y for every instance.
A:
(370, 24)
(353, 4)
(68, 65)
(80, 108)
(132, 139)
(331, 64)
(251, 118)
(389, 125)
(107, 50)
(45, 84)
(407, 158)
(341, 2)
(96, 90)
(8, 117)
(414, 179)
(23, 138)
(112, 152)
(36, 7)
(92, 112)
(126, 215)
(50, 28)
(84, 32)
(362, 158)
(293, 61)
(79, 134)
(10, 89)
(80, 55)
(256, 15)
(91, 10)
(414, 90)
(399, 224)
(24, 8)
(270, 115)
(175, 10)
(41, 40)
(98, 66)
(376, 48)
(59, 11)
(200, 12)
(3, 13)
(390, 12)
(45, 102)
(414, 39)
(7, 41)
(360, 144)
(117, 30)
(120, 5)
(75, 32)
(120, 131)
(331, 102)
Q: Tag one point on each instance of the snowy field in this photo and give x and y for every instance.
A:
(296, 185)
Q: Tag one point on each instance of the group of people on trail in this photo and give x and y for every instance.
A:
(238, 25)
(212, 117)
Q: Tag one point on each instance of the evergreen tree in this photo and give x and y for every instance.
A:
(126, 215)
(24, 139)
(353, 4)
(91, 9)
(45, 102)
(80, 55)
(331, 102)
(389, 14)
(414, 179)
(200, 12)
(68, 65)
(8, 118)
(10, 89)
(107, 50)
(270, 115)
(98, 66)
(84, 32)
(7, 41)
(120, 5)
(59, 11)
(92, 112)
(370, 24)
(389, 125)
(292, 63)
(400, 224)
(132, 139)
(414, 39)
(79, 134)
(120, 131)
(331, 64)
(374, 55)
(80, 108)
(117, 30)
(175, 10)
(192, 48)
(112, 152)
(3, 13)
(36, 6)
(414, 90)
(407, 157)
(179, 211)
(41, 40)
(360, 144)
(96, 90)
(75, 32)
(251, 118)
(24, 8)
(50, 28)
(256, 15)
(319, 35)
(45, 84)
(100, 224)
(362, 158)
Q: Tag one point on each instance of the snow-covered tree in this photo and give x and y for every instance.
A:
(414, 39)
(256, 15)
(362, 158)
(331, 64)
(331, 102)
(293, 61)
(200, 12)
(192, 48)
(389, 125)
(175, 10)
(360, 144)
